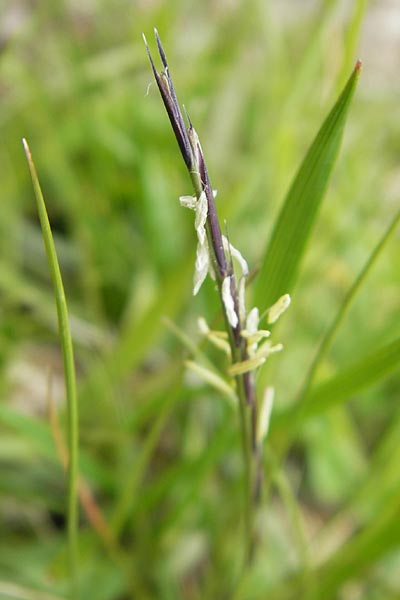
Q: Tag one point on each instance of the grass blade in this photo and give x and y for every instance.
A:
(296, 219)
(339, 388)
(348, 301)
(69, 373)
(341, 314)
(355, 378)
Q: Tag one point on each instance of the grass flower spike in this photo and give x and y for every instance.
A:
(243, 342)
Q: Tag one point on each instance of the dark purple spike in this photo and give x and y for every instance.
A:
(177, 110)
(212, 215)
(161, 49)
(168, 95)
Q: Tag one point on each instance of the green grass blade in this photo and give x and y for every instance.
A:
(343, 310)
(348, 300)
(295, 221)
(69, 372)
(339, 388)
(127, 498)
(355, 378)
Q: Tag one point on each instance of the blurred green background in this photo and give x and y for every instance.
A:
(159, 448)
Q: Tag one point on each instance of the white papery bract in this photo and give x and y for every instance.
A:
(236, 255)
(229, 303)
(203, 262)
(201, 218)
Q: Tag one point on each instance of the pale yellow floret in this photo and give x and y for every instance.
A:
(265, 414)
(254, 362)
(212, 378)
(245, 366)
(203, 326)
(255, 338)
(242, 299)
(278, 308)
(220, 343)
(252, 320)
(218, 338)
(266, 349)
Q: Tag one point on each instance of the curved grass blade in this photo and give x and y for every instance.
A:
(339, 388)
(293, 227)
(301, 404)
(347, 302)
(130, 497)
(69, 372)
(355, 378)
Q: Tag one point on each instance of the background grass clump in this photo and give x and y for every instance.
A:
(159, 450)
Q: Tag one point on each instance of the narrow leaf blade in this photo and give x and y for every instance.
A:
(69, 370)
(295, 222)
(341, 387)
(355, 378)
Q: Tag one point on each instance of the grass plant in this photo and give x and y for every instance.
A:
(242, 336)
(173, 440)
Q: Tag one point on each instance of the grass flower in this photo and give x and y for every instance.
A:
(243, 341)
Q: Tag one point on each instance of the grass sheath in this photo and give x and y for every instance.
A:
(69, 373)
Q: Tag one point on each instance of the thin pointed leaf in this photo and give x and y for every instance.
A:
(348, 300)
(295, 222)
(69, 370)
(355, 378)
(345, 384)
